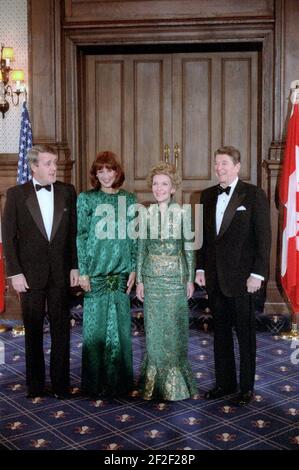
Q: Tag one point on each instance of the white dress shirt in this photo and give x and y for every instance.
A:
(46, 204)
(222, 203)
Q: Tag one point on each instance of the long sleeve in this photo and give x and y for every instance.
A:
(73, 229)
(200, 253)
(141, 254)
(84, 220)
(262, 233)
(10, 235)
(188, 246)
(133, 241)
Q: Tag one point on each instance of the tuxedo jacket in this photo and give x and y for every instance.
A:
(26, 246)
(242, 245)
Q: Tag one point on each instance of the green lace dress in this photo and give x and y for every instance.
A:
(107, 256)
(165, 266)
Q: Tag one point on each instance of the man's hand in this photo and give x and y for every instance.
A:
(190, 289)
(19, 283)
(253, 284)
(200, 278)
(131, 282)
(74, 277)
(140, 291)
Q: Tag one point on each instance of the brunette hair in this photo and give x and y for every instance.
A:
(231, 152)
(107, 160)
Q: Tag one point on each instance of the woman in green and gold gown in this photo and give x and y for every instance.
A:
(107, 259)
(165, 273)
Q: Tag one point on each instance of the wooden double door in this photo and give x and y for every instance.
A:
(178, 106)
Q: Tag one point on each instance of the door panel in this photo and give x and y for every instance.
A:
(129, 112)
(214, 104)
(105, 107)
(148, 115)
(239, 109)
(193, 128)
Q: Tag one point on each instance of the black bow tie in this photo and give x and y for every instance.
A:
(39, 186)
(221, 190)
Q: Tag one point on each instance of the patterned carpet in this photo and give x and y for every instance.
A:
(270, 422)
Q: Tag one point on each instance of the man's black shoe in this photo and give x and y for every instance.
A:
(244, 398)
(218, 392)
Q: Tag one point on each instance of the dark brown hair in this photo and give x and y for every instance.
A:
(231, 152)
(107, 160)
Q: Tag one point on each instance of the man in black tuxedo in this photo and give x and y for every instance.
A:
(232, 263)
(39, 239)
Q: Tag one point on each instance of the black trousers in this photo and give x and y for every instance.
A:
(238, 312)
(34, 303)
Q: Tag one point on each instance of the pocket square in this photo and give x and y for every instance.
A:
(241, 208)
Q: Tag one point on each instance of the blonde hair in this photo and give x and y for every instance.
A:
(163, 168)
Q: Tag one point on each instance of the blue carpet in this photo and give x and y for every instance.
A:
(270, 422)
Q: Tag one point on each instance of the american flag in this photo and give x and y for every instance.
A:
(25, 144)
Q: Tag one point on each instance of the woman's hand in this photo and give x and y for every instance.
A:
(190, 289)
(140, 291)
(84, 283)
(131, 282)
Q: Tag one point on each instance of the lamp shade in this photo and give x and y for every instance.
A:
(17, 75)
(7, 53)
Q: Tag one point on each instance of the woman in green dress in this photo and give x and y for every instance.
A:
(107, 260)
(165, 274)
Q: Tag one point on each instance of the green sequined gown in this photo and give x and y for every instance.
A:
(165, 266)
(107, 349)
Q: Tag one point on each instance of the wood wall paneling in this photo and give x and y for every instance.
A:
(43, 95)
(85, 11)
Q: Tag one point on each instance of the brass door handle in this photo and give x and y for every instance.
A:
(166, 153)
(176, 152)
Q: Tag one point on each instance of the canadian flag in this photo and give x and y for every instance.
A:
(289, 197)
(2, 275)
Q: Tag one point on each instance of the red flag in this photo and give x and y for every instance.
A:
(289, 197)
(2, 275)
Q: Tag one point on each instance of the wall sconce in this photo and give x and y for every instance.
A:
(17, 76)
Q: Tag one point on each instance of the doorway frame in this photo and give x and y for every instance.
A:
(77, 42)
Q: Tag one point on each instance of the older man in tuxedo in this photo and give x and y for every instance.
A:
(233, 263)
(39, 239)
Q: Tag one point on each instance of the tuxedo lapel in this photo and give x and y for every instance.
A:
(33, 207)
(59, 207)
(235, 201)
(210, 212)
